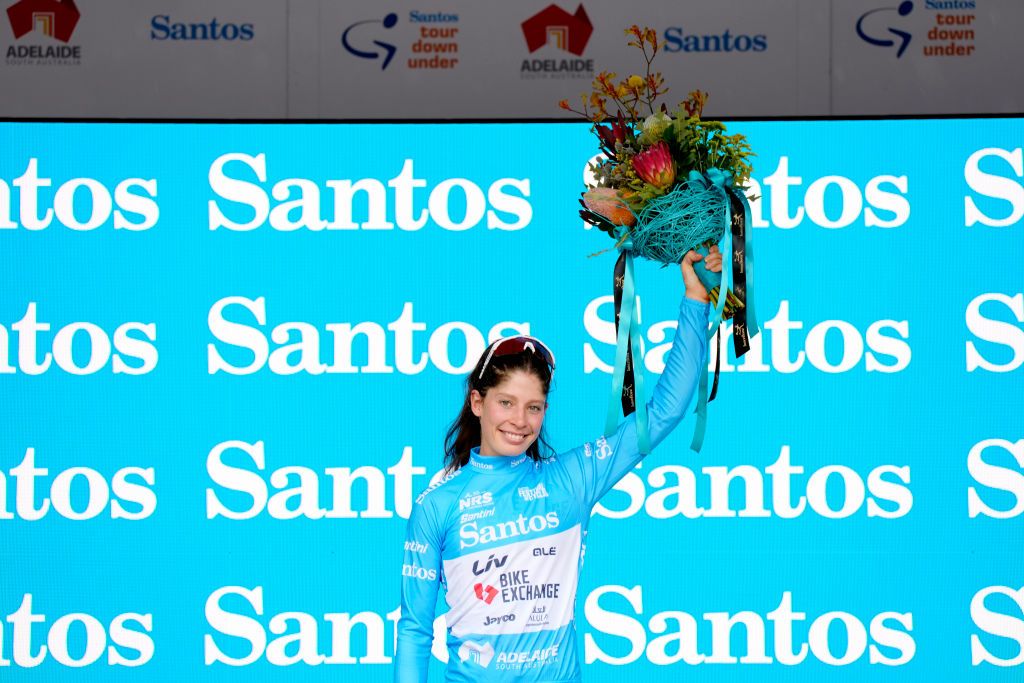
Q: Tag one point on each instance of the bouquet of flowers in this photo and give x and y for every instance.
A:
(668, 182)
(665, 179)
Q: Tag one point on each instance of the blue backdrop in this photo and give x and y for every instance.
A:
(224, 374)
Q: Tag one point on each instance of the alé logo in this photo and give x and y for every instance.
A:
(553, 25)
(362, 39)
(53, 18)
(882, 27)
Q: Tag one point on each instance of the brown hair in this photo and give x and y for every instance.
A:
(464, 432)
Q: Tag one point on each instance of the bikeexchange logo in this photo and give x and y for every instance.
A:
(567, 32)
(434, 47)
(54, 19)
(950, 35)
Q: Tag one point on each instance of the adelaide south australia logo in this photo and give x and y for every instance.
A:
(553, 31)
(43, 29)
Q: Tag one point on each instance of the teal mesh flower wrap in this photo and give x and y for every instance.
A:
(694, 212)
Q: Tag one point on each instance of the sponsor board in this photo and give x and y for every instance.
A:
(421, 41)
(43, 30)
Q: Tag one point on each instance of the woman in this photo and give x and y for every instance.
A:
(503, 530)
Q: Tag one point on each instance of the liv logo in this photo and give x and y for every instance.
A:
(492, 563)
(53, 18)
(878, 31)
(359, 39)
(485, 592)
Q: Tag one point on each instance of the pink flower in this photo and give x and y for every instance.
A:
(654, 165)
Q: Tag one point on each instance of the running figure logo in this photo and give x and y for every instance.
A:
(903, 10)
(388, 22)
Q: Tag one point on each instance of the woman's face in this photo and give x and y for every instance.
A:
(510, 414)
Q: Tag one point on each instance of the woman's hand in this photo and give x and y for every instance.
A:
(694, 287)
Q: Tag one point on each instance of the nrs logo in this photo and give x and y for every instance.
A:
(475, 500)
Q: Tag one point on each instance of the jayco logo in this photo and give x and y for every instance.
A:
(537, 492)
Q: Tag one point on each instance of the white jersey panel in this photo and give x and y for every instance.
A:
(523, 586)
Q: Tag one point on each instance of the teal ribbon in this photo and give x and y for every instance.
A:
(715, 179)
(629, 337)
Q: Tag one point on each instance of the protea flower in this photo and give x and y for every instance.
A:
(612, 133)
(654, 165)
(606, 203)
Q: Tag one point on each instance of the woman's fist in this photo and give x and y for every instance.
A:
(694, 287)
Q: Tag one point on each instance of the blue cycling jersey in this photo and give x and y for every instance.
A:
(505, 537)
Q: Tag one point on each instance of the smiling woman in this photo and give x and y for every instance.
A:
(503, 530)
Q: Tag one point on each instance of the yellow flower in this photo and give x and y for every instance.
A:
(635, 81)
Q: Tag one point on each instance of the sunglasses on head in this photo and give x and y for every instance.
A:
(508, 346)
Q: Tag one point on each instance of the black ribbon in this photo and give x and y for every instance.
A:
(738, 225)
(628, 382)
(718, 364)
(740, 335)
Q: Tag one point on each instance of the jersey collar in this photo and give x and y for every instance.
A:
(496, 463)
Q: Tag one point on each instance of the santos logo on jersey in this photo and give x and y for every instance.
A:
(421, 573)
(471, 534)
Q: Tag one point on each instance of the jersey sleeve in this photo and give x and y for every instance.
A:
(603, 462)
(421, 578)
